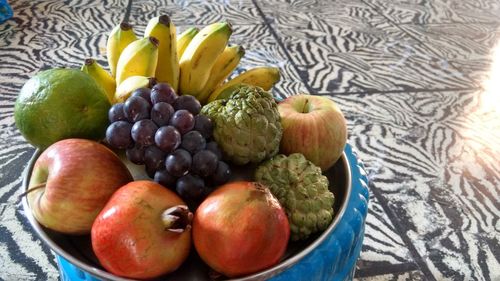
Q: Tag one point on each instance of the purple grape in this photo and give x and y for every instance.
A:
(150, 171)
(167, 138)
(190, 188)
(204, 125)
(116, 113)
(154, 158)
(188, 103)
(136, 108)
(193, 142)
(221, 174)
(143, 132)
(214, 147)
(207, 189)
(183, 120)
(135, 155)
(161, 113)
(118, 134)
(162, 92)
(204, 163)
(164, 178)
(178, 162)
(144, 93)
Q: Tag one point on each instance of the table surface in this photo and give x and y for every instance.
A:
(418, 82)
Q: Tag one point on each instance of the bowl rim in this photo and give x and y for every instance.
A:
(267, 273)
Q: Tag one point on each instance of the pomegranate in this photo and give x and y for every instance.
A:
(143, 231)
(240, 229)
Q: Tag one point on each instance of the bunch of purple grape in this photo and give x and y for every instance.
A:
(166, 133)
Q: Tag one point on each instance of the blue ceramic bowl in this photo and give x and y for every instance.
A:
(5, 11)
(330, 255)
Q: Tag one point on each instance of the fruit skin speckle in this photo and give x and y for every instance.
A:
(58, 104)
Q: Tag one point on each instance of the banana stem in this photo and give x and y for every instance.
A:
(152, 81)
(89, 61)
(177, 219)
(164, 19)
(125, 26)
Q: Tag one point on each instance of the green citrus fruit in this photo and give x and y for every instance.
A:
(61, 103)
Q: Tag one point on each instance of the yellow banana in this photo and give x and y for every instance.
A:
(224, 65)
(125, 89)
(138, 59)
(167, 69)
(264, 77)
(102, 77)
(119, 38)
(200, 55)
(184, 38)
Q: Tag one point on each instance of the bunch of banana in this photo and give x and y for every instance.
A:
(132, 61)
(167, 68)
(207, 61)
(263, 76)
(200, 56)
(185, 38)
(155, 55)
(119, 38)
(197, 62)
(132, 83)
(102, 77)
(224, 65)
(139, 58)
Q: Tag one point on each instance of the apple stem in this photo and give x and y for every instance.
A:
(305, 109)
(32, 188)
(177, 219)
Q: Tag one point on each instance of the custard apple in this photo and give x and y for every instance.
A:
(302, 190)
(247, 125)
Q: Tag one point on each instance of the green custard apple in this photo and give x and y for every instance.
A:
(246, 125)
(302, 190)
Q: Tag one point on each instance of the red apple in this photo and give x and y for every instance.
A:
(313, 126)
(71, 182)
(143, 232)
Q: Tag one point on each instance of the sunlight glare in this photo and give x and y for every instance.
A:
(490, 100)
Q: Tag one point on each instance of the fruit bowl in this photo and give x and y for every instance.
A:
(330, 255)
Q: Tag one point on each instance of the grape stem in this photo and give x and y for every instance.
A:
(177, 219)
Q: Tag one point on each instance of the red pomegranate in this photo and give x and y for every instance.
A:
(143, 231)
(240, 229)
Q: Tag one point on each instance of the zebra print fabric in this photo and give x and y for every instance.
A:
(443, 148)
(361, 53)
(443, 11)
(470, 47)
(410, 76)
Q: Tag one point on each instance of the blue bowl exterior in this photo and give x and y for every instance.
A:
(69, 272)
(334, 259)
(5, 11)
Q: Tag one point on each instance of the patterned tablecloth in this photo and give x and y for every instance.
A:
(416, 80)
